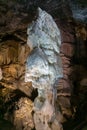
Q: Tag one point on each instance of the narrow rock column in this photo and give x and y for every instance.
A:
(43, 69)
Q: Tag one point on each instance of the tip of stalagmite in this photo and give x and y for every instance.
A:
(39, 9)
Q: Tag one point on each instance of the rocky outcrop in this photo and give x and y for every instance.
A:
(43, 69)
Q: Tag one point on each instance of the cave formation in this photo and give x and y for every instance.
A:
(19, 96)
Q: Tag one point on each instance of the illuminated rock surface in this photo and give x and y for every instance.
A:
(44, 68)
(0, 74)
(44, 62)
(23, 115)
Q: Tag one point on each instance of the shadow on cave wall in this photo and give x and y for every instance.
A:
(79, 78)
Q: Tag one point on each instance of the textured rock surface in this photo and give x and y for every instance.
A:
(12, 65)
(23, 119)
(65, 87)
(45, 36)
(43, 68)
(15, 16)
(12, 85)
(0, 74)
(65, 84)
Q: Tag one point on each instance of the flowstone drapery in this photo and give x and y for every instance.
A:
(43, 69)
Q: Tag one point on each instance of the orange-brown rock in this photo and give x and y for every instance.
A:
(0, 74)
(64, 88)
(67, 36)
(67, 49)
(23, 119)
(12, 61)
(66, 111)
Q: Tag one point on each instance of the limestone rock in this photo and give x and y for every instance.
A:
(43, 68)
(45, 32)
(23, 119)
(67, 36)
(12, 61)
(43, 63)
(67, 49)
(8, 52)
(64, 88)
(0, 74)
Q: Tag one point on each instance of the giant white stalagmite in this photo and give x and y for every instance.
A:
(44, 68)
